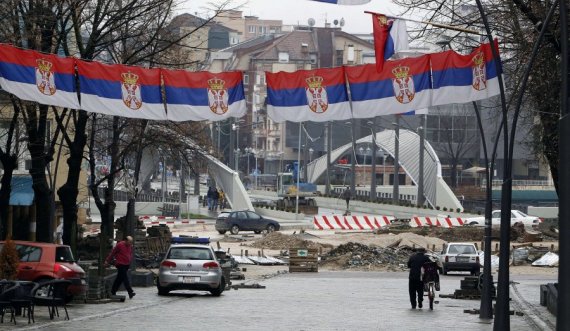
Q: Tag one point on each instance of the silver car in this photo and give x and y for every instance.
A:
(190, 267)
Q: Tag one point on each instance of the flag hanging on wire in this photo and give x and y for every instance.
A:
(390, 36)
(317, 95)
(44, 78)
(198, 96)
(120, 90)
(403, 86)
(345, 2)
(463, 78)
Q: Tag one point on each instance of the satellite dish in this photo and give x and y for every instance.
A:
(342, 21)
(311, 21)
(335, 22)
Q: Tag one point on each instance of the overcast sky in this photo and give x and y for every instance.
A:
(299, 11)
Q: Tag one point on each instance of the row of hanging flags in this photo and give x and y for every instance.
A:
(403, 86)
(121, 90)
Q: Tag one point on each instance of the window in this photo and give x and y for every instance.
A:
(189, 253)
(253, 216)
(339, 57)
(251, 28)
(29, 253)
(245, 79)
(63, 254)
(313, 58)
(283, 57)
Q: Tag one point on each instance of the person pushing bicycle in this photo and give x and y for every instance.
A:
(430, 278)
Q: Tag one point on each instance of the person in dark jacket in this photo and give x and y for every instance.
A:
(122, 255)
(347, 194)
(416, 285)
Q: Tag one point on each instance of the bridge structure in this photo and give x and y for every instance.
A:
(436, 191)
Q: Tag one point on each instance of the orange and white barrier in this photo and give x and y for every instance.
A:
(418, 222)
(356, 222)
(157, 220)
(445, 222)
(449, 222)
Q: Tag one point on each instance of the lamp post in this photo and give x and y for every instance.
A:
(373, 182)
(396, 188)
(421, 131)
(236, 153)
(255, 172)
(353, 163)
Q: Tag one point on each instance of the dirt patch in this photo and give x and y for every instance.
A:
(279, 241)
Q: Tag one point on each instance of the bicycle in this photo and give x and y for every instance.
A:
(431, 293)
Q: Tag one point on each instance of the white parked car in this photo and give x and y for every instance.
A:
(517, 216)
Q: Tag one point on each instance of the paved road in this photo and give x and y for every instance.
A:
(302, 301)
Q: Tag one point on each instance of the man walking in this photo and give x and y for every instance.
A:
(347, 194)
(416, 285)
(122, 255)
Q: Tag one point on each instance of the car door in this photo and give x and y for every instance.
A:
(30, 257)
(255, 221)
(242, 221)
(496, 217)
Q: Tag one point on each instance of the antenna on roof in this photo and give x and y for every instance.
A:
(311, 22)
(342, 21)
(335, 22)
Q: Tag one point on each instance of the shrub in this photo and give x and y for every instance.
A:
(9, 260)
(458, 210)
(444, 208)
(437, 207)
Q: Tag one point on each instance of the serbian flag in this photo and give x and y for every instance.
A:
(345, 2)
(404, 85)
(199, 96)
(317, 95)
(463, 78)
(390, 36)
(120, 90)
(45, 78)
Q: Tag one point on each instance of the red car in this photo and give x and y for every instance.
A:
(44, 261)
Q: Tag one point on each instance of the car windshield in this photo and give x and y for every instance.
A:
(189, 253)
(63, 254)
(462, 249)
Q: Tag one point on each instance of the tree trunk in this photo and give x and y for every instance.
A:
(69, 191)
(9, 162)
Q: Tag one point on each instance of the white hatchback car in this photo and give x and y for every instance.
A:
(517, 216)
(460, 257)
(190, 267)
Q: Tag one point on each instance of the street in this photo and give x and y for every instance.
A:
(325, 300)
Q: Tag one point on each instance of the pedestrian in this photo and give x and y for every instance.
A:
(415, 283)
(210, 197)
(222, 199)
(121, 256)
(215, 199)
(347, 194)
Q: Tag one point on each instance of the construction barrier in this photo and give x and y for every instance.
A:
(360, 222)
(157, 220)
(446, 222)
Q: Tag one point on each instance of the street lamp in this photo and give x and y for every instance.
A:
(311, 151)
(237, 151)
(372, 127)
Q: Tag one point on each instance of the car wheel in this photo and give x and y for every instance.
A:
(473, 223)
(234, 229)
(161, 290)
(218, 290)
(43, 292)
(257, 232)
(221, 232)
(270, 228)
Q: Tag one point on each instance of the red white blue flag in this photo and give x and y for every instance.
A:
(120, 90)
(390, 36)
(317, 95)
(403, 86)
(463, 78)
(345, 2)
(199, 96)
(45, 78)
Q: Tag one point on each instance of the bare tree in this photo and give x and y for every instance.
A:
(516, 24)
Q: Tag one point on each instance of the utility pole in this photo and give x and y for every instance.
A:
(373, 163)
(328, 141)
(422, 133)
(396, 187)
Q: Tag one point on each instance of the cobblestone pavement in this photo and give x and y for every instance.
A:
(302, 301)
